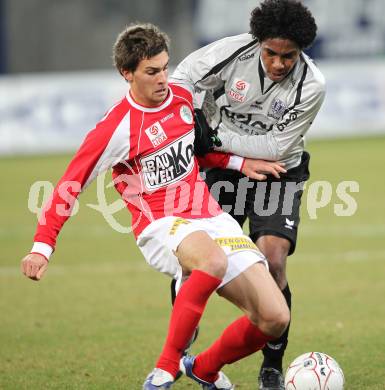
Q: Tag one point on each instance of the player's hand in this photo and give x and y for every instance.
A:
(205, 137)
(258, 169)
(33, 266)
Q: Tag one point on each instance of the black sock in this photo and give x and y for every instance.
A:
(274, 351)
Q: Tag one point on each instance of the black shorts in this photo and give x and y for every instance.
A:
(272, 206)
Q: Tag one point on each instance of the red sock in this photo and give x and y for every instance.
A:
(239, 339)
(187, 311)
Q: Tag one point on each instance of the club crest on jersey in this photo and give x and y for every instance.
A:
(169, 164)
(156, 134)
(277, 109)
(186, 114)
(238, 90)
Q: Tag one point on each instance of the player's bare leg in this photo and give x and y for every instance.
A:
(276, 250)
(191, 259)
(256, 294)
(266, 316)
(205, 261)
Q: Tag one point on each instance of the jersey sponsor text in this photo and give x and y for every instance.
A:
(169, 164)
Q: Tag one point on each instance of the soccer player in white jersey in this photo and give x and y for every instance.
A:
(262, 95)
(147, 139)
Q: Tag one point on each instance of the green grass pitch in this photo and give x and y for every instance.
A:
(98, 318)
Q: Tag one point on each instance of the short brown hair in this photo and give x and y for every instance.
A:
(137, 42)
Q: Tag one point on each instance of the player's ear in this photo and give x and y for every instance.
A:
(127, 74)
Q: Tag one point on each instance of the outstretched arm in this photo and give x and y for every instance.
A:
(103, 148)
(252, 168)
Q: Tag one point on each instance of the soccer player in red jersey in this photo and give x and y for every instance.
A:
(148, 140)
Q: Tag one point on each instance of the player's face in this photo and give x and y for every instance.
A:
(149, 86)
(279, 57)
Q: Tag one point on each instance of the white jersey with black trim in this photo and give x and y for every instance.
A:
(255, 117)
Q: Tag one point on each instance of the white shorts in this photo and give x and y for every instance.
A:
(161, 238)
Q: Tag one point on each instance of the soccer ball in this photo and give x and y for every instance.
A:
(314, 371)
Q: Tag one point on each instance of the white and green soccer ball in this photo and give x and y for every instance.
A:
(314, 371)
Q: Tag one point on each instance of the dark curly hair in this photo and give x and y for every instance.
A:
(286, 19)
(137, 42)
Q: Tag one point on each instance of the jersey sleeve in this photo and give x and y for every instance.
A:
(221, 160)
(104, 147)
(286, 133)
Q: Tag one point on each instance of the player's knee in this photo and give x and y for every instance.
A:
(218, 266)
(215, 264)
(275, 323)
(276, 251)
(276, 258)
(277, 266)
(281, 321)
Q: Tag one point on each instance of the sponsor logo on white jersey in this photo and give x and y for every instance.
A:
(240, 85)
(170, 164)
(186, 114)
(156, 134)
(245, 57)
(239, 90)
(291, 116)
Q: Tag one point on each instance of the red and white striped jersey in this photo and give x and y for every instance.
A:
(151, 152)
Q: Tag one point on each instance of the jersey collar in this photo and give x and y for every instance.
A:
(262, 77)
(139, 107)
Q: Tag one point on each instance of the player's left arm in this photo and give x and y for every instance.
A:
(252, 168)
(287, 132)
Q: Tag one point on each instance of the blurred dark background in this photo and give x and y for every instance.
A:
(57, 78)
(62, 35)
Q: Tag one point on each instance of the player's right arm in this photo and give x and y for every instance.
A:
(104, 147)
(34, 265)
